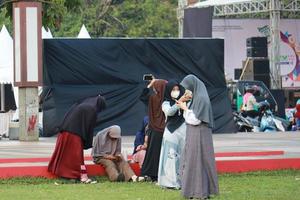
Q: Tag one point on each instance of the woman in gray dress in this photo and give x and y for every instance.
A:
(199, 174)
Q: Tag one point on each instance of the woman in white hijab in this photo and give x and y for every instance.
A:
(199, 175)
(107, 152)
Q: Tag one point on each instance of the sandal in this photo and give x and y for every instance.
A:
(138, 179)
(88, 181)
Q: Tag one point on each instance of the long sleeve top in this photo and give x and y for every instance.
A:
(168, 109)
(190, 118)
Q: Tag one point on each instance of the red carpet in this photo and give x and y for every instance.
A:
(224, 154)
(223, 166)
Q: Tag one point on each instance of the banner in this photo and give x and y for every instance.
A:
(236, 31)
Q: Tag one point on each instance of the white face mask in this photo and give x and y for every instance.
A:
(175, 94)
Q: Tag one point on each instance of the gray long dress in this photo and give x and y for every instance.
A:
(199, 175)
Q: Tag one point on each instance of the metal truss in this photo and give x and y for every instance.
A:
(241, 8)
(256, 6)
(291, 6)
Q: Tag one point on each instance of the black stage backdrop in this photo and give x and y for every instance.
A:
(78, 68)
(197, 22)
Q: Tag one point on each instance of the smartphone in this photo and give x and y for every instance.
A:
(147, 77)
(188, 94)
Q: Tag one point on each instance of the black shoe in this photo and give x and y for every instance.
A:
(120, 177)
(148, 179)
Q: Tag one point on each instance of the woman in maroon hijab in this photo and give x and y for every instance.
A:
(153, 96)
(75, 134)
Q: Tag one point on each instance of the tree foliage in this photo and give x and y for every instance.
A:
(114, 18)
(107, 18)
(52, 11)
(130, 18)
(4, 20)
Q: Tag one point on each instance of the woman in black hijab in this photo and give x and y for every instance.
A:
(75, 134)
(173, 138)
(199, 174)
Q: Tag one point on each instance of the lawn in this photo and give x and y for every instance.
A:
(251, 186)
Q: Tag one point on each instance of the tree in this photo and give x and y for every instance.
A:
(4, 20)
(53, 10)
(130, 18)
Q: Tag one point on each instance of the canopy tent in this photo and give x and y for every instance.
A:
(49, 33)
(83, 33)
(6, 58)
(46, 34)
(6, 79)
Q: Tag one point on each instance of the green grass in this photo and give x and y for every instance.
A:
(271, 185)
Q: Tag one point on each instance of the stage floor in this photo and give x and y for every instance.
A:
(289, 142)
(234, 152)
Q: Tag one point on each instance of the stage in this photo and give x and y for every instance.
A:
(235, 153)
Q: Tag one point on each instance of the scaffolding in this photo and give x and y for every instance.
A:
(273, 7)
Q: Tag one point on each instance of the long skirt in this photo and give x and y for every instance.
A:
(67, 157)
(169, 162)
(151, 161)
(199, 174)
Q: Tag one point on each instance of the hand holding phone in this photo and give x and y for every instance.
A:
(148, 77)
(188, 94)
(182, 105)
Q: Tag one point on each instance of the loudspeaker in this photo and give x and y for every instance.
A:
(257, 47)
(260, 66)
(237, 73)
(258, 70)
(257, 52)
(265, 78)
(261, 71)
(257, 42)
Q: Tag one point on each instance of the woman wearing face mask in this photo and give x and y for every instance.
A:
(153, 98)
(173, 138)
(199, 174)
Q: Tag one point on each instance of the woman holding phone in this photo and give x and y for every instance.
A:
(153, 96)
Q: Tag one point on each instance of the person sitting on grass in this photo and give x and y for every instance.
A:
(140, 143)
(106, 151)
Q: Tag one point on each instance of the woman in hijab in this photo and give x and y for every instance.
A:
(199, 174)
(140, 143)
(76, 134)
(107, 152)
(173, 137)
(154, 99)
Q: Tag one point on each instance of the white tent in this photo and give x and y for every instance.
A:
(216, 3)
(6, 74)
(83, 33)
(46, 34)
(49, 33)
(6, 56)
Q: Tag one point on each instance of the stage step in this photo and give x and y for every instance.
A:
(37, 167)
